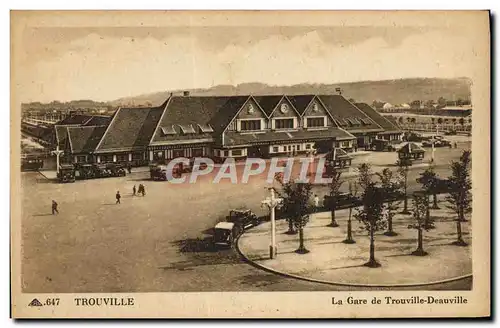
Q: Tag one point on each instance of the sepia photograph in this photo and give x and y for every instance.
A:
(183, 154)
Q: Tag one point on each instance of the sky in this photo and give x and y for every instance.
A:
(106, 63)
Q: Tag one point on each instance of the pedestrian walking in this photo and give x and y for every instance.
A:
(133, 191)
(143, 191)
(54, 207)
(455, 144)
(129, 168)
(118, 196)
(316, 203)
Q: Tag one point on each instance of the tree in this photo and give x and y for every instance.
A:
(403, 168)
(335, 185)
(420, 222)
(390, 188)
(296, 207)
(365, 175)
(433, 120)
(413, 120)
(460, 197)
(370, 214)
(353, 192)
(461, 121)
(400, 120)
(441, 102)
(286, 208)
(440, 120)
(429, 181)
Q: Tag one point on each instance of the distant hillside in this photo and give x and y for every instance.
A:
(393, 91)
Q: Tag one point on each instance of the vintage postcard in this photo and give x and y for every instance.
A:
(259, 164)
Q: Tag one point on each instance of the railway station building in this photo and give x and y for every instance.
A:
(228, 126)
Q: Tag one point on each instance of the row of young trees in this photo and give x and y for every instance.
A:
(379, 201)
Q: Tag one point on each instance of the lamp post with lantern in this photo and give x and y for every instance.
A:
(272, 202)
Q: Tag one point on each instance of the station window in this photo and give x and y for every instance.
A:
(298, 147)
(81, 159)
(250, 125)
(276, 149)
(236, 152)
(308, 146)
(122, 158)
(284, 123)
(314, 122)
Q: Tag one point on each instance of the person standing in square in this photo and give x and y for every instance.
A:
(54, 207)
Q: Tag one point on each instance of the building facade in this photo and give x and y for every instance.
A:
(229, 127)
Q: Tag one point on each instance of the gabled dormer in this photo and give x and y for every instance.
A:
(284, 116)
(250, 118)
(316, 116)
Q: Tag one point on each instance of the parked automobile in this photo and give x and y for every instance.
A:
(101, 171)
(158, 172)
(66, 173)
(244, 219)
(84, 171)
(191, 165)
(438, 142)
(31, 164)
(116, 170)
(343, 200)
(224, 234)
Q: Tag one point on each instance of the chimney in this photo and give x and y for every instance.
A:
(186, 93)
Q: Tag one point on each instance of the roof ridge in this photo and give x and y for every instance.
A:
(165, 103)
(109, 126)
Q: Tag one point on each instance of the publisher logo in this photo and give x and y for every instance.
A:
(35, 302)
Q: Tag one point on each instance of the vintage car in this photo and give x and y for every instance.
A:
(383, 145)
(159, 172)
(84, 171)
(191, 165)
(343, 200)
(116, 170)
(66, 173)
(243, 218)
(101, 171)
(412, 136)
(438, 142)
(224, 234)
(31, 164)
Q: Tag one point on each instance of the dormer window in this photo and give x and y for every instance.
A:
(187, 128)
(316, 122)
(168, 130)
(250, 125)
(205, 128)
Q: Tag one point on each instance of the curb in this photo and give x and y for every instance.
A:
(43, 175)
(333, 283)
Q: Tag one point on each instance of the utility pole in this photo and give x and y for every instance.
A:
(272, 202)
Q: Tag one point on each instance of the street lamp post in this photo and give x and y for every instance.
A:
(58, 153)
(272, 202)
